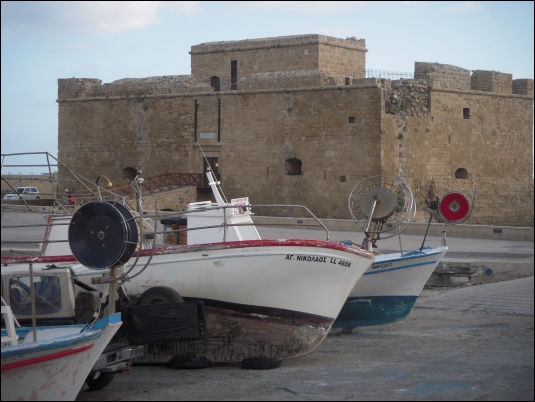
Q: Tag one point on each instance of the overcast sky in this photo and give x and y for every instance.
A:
(44, 41)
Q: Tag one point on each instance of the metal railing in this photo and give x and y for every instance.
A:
(391, 75)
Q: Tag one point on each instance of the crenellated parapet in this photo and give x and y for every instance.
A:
(83, 88)
(523, 86)
(491, 81)
(442, 76)
(445, 76)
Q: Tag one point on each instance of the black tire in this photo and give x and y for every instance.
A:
(260, 363)
(159, 295)
(37, 198)
(98, 380)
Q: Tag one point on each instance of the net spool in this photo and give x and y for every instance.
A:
(103, 234)
(385, 203)
(454, 207)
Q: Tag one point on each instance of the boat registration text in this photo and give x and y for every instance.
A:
(315, 258)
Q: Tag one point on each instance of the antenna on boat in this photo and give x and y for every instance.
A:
(385, 204)
(215, 181)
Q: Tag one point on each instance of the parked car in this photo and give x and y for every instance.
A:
(28, 193)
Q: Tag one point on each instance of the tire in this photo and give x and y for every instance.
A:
(260, 363)
(37, 198)
(98, 380)
(159, 295)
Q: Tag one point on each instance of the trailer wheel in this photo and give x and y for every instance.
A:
(98, 380)
(159, 295)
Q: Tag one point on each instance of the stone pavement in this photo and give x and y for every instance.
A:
(509, 297)
(468, 343)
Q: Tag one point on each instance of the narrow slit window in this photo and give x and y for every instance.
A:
(234, 74)
(215, 83)
(466, 113)
(352, 120)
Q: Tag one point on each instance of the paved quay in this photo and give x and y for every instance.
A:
(471, 342)
(468, 343)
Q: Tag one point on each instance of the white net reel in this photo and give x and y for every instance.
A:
(385, 205)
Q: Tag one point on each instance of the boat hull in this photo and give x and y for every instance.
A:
(267, 298)
(389, 288)
(55, 367)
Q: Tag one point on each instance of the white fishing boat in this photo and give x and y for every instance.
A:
(263, 299)
(53, 365)
(390, 287)
(270, 299)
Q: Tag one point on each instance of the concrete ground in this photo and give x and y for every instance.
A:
(472, 340)
(468, 343)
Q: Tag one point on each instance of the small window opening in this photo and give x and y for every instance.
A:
(461, 173)
(466, 113)
(348, 80)
(293, 167)
(213, 165)
(215, 83)
(129, 173)
(351, 119)
(234, 74)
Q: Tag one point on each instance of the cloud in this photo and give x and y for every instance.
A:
(44, 18)
(298, 6)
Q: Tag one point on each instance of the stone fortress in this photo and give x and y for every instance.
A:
(293, 120)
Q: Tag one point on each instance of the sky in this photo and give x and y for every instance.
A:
(44, 41)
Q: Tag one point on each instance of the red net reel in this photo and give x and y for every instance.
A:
(454, 207)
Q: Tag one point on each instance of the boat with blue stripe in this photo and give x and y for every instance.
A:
(388, 290)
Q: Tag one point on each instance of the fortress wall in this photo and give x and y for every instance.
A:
(83, 88)
(259, 131)
(492, 81)
(333, 56)
(523, 87)
(423, 130)
(286, 80)
(491, 145)
(442, 75)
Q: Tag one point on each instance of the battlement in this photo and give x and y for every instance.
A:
(442, 75)
(81, 88)
(446, 76)
(492, 81)
(523, 86)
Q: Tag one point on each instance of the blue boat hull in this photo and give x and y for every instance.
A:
(375, 310)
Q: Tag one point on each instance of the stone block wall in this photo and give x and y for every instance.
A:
(425, 130)
(176, 200)
(287, 80)
(333, 56)
(442, 75)
(490, 145)
(83, 88)
(523, 87)
(492, 81)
